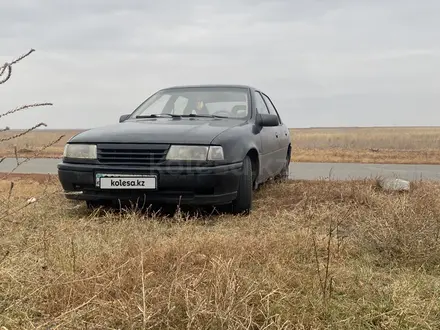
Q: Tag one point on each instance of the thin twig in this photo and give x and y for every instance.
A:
(327, 262)
(27, 106)
(144, 305)
(315, 250)
(8, 67)
(3, 68)
(72, 245)
(16, 156)
(23, 56)
(23, 133)
(9, 199)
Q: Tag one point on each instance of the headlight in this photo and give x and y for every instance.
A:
(87, 151)
(201, 153)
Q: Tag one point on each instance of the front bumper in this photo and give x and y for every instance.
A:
(213, 185)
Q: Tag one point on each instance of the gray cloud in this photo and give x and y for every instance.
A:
(324, 63)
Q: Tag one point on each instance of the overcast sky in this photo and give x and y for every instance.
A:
(324, 63)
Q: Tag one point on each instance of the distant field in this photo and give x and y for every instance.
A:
(419, 145)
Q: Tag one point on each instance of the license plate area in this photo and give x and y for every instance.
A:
(126, 181)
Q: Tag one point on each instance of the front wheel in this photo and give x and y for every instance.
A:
(243, 202)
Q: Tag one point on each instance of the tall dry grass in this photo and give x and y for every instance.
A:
(391, 138)
(412, 145)
(312, 255)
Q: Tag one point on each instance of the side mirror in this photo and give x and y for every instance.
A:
(123, 118)
(268, 120)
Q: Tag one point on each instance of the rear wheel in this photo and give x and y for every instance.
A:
(243, 202)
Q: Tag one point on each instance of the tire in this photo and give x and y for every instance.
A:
(243, 203)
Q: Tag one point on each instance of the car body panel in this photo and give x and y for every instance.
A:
(283, 133)
(272, 150)
(189, 185)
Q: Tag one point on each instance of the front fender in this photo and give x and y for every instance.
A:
(237, 142)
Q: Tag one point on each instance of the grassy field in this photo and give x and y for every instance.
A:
(312, 255)
(419, 145)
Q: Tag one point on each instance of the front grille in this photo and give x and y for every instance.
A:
(131, 154)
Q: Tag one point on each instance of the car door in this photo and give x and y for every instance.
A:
(269, 143)
(283, 130)
(281, 153)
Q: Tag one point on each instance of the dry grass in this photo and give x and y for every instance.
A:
(412, 145)
(312, 255)
(418, 145)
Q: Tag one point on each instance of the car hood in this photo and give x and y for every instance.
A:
(158, 130)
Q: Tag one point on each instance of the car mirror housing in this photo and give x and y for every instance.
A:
(123, 118)
(268, 120)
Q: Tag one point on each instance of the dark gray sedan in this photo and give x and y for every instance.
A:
(200, 145)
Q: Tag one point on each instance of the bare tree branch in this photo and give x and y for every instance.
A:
(22, 133)
(23, 56)
(7, 67)
(5, 75)
(3, 68)
(27, 106)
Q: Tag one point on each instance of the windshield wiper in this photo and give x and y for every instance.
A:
(154, 115)
(204, 116)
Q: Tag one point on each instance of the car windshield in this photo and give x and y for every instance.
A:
(223, 102)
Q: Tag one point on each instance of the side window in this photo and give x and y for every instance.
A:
(260, 105)
(271, 107)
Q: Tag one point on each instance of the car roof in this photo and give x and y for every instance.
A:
(211, 85)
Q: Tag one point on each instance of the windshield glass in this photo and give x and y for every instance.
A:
(200, 101)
